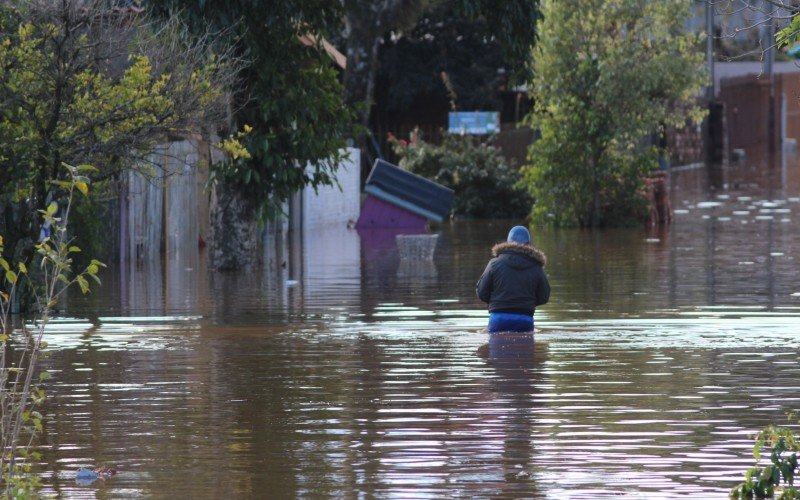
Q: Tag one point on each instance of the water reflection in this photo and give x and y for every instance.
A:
(336, 369)
(517, 363)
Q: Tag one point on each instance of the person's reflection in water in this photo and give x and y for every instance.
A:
(516, 360)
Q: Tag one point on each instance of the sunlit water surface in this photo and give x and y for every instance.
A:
(660, 355)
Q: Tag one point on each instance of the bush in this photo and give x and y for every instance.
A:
(607, 76)
(778, 476)
(485, 184)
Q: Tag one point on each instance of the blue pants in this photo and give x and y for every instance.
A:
(509, 322)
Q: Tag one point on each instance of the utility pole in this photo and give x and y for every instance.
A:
(710, 48)
(769, 63)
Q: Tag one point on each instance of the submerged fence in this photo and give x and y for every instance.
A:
(163, 205)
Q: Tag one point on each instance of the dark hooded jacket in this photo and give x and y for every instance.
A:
(514, 280)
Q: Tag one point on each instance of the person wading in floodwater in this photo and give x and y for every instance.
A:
(514, 283)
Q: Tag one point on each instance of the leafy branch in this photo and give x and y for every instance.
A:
(50, 277)
(764, 482)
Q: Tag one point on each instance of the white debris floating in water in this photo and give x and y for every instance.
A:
(416, 246)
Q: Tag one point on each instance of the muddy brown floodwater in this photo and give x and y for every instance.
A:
(348, 373)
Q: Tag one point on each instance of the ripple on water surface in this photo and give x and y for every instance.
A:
(658, 358)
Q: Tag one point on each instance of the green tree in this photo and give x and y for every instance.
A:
(608, 74)
(291, 96)
(82, 83)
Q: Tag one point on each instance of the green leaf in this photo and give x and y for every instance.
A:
(52, 208)
(73, 249)
(22, 268)
(4, 264)
(83, 284)
(86, 167)
(82, 187)
(11, 276)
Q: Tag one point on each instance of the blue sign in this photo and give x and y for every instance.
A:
(474, 122)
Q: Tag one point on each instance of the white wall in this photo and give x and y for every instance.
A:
(329, 250)
(330, 205)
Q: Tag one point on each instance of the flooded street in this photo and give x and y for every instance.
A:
(340, 371)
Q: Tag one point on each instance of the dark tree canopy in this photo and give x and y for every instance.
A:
(473, 46)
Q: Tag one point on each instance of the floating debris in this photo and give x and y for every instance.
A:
(795, 294)
(744, 198)
(291, 282)
(86, 476)
(652, 240)
(723, 219)
(776, 254)
(741, 212)
(746, 263)
(84, 473)
(680, 212)
(709, 204)
(723, 197)
(764, 217)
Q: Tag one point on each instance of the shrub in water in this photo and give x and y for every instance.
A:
(485, 184)
(778, 476)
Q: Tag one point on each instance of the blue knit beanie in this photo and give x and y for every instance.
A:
(519, 234)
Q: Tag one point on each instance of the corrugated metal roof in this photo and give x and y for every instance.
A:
(409, 191)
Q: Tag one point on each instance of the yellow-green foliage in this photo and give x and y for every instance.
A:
(77, 110)
(99, 108)
(54, 272)
(75, 90)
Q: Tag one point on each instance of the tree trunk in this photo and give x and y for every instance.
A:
(363, 32)
(366, 22)
(234, 234)
(595, 212)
